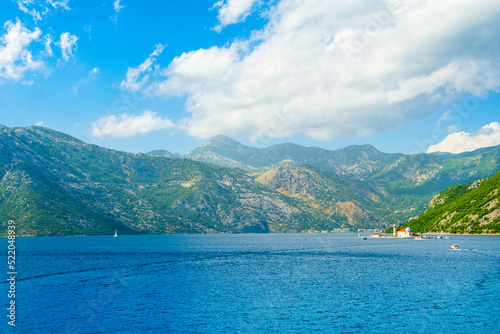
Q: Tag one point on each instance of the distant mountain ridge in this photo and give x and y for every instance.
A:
(404, 183)
(54, 184)
(466, 154)
(355, 160)
(165, 154)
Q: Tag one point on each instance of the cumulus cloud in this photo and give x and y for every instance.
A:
(458, 142)
(15, 57)
(67, 43)
(125, 125)
(139, 77)
(336, 69)
(232, 11)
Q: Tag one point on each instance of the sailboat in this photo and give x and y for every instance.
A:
(116, 233)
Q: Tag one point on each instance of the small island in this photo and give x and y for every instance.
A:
(402, 233)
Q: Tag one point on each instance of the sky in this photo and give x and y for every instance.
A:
(404, 76)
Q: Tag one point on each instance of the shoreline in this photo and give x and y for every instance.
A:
(388, 236)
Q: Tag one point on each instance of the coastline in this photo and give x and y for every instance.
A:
(387, 236)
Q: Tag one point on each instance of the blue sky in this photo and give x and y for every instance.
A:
(404, 76)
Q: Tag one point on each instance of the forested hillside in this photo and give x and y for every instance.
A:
(473, 207)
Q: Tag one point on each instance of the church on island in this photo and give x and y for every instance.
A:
(401, 233)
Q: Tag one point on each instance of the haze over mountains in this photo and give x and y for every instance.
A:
(54, 184)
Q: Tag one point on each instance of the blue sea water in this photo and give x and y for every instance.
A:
(254, 283)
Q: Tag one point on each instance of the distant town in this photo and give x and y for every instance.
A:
(335, 230)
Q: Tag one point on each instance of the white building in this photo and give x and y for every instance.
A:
(404, 233)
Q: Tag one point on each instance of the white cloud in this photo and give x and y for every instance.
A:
(117, 6)
(158, 50)
(37, 9)
(23, 50)
(124, 125)
(193, 69)
(67, 43)
(15, 57)
(95, 70)
(48, 49)
(458, 142)
(138, 77)
(232, 11)
(332, 68)
(59, 4)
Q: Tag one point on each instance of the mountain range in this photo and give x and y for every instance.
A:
(54, 184)
(380, 187)
(354, 161)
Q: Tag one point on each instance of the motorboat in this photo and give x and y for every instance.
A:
(454, 247)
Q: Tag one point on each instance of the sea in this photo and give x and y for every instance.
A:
(253, 283)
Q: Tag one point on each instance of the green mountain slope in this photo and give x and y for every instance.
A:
(473, 207)
(51, 183)
(411, 182)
